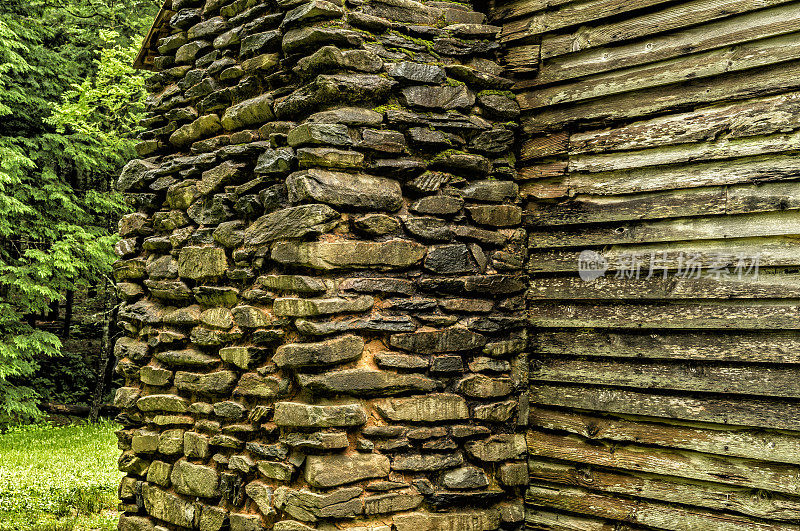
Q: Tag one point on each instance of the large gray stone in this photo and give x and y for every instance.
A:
(345, 189)
(255, 111)
(326, 471)
(296, 307)
(497, 448)
(309, 506)
(427, 408)
(413, 72)
(349, 254)
(202, 262)
(168, 507)
(431, 342)
(440, 97)
(325, 353)
(135, 175)
(293, 222)
(195, 480)
(366, 382)
(296, 415)
(327, 89)
(219, 382)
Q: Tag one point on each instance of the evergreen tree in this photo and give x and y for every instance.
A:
(69, 104)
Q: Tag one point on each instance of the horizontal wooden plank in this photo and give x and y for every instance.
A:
(736, 58)
(671, 490)
(714, 377)
(748, 118)
(682, 15)
(653, 514)
(772, 346)
(546, 170)
(679, 229)
(671, 98)
(736, 315)
(771, 446)
(724, 148)
(517, 8)
(536, 518)
(737, 411)
(668, 286)
(737, 199)
(749, 473)
(744, 28)
(569, 15)
(545, 146)
(523, 60)
(747, 170)
(776, 251)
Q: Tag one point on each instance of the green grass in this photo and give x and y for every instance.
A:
(56, 478)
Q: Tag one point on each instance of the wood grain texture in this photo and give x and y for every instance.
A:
(650, 101)
(571, 14)
(714, 439)
(653, 514)
(774, 251)
(682, 229)
(772, 346)
(737, 411)
(677, 376)
(743, 56)
(760, 116)
(736, 315)
(743, 500)
(682, 15)
(652, 48)
(664, 134)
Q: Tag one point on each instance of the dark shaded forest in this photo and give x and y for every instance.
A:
(70, 105)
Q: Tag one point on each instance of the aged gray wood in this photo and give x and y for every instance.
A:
(523, 59)
(735, 314)
(668, 489)
(772, 346)
(760, 169)
(653, 514)
(743, 56)
(750, 473)
(748, 118)
(517, 8)
(738, 411)
(738, 442)
(536, 518)
(679, 16)
(714, 377)
(572, 14)
(725, 148)
(680, 229)
(727, 87)
(772, 251)
(744, 28)
(765, 285)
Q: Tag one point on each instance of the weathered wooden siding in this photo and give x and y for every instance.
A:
(661, 130)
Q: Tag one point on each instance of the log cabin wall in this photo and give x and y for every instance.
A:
(665, 133)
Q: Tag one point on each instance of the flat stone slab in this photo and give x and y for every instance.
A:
(325, 471)
(293, 414)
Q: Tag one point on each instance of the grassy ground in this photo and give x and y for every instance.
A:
(59, 478)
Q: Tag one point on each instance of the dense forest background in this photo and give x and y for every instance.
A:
(70, 104)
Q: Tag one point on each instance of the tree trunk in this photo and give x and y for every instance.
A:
(103, 374)
(68, 314)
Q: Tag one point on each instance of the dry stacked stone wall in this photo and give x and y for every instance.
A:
(323, 297)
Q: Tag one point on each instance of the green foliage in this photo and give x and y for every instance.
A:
(69, 103)
(58, 478)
